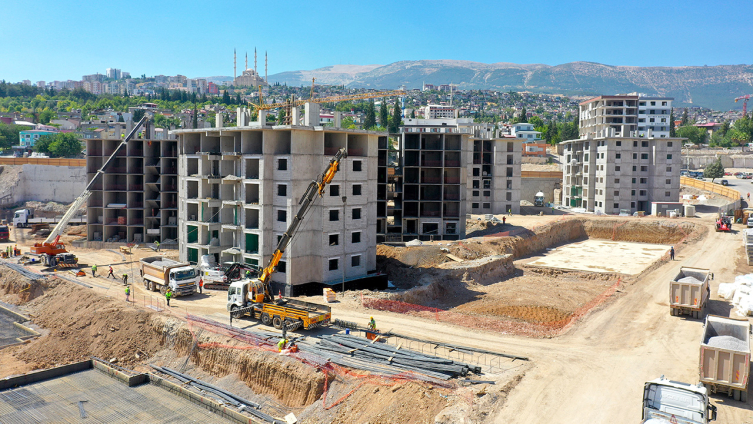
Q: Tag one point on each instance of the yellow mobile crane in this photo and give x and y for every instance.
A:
(252, 297)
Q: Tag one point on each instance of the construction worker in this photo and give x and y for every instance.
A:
(504, 219)
(168, 295)
(248, 274)
(111, 274)
(201, 285)
(509, 212)
(372, 324)
(125, 279)
(127, 292)
(94, 270)
(292, 347)
(156, 244)
(281, 344)
(16, 252)
(672, 253)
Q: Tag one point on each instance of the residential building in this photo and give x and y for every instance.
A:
(494, 176)
(653, 116)
(434, 155)
(28, 138)
(40, 84)
(532, 146)
(113, 73)
(136, 200)
(26, 82)
(439, 112)
(609, 116)
(94, 87)
(612, 174)
(212, 88)
(93, 77)
(625, 115)
(238, 194)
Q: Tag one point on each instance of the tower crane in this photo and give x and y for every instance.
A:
(745, 99)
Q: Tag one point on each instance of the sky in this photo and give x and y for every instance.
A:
(59, 40)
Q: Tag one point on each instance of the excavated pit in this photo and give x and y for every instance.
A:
(496, 280)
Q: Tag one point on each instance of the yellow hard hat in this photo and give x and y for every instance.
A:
(371, 317)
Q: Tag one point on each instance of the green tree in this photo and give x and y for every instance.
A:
(9, 135)
(714, 170)
(281, 116)
(348, 123)
(695, 135)
(413, 114)
(684, 120)
(537, 123)
(370, 120)
(672, 124)
(226, 97)
(523, 115)
(65, 145)
(46, 116)
(195, 120)
(383, 114)
(120, 118)
(137, 114)
(724, 128)
(397, 119)
(42, 145)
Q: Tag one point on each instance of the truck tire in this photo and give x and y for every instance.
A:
(744, 396)
(277, 322)
(163, 290)
(265, 319)
(146, 285)
(736, 394)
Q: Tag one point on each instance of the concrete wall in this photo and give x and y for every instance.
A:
(530, 186)
(45, 183)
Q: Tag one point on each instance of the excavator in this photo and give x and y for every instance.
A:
(252, 297)
(51, 251)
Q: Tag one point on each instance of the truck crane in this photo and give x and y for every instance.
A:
(252, 297)
(52, 247)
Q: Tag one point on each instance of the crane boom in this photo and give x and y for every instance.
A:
(316, 188)
(745, 99)
(54, 236)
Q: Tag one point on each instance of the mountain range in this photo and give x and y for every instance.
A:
(707, 86)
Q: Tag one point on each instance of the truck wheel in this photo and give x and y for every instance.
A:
(744, 396)
(163, 290)
(265, 319)
(736, 394)
(277, 322)
(146, 285)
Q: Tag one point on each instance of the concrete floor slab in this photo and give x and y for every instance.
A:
(603, 256)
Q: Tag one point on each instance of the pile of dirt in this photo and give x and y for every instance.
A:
(82, 323)
(47, 209)
(409, 403)
(642, 231)
(290, 382)
(17, 289)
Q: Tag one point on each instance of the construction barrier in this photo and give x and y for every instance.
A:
(43, 161)
(712, 187)
(541, 174)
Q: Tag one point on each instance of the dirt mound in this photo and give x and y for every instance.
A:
(17, 289)
(83, 323)
(530, 313)
(408, 403)
(641, 231)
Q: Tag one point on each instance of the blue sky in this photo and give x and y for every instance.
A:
(53, 39)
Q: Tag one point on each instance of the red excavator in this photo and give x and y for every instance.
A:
(724, 223)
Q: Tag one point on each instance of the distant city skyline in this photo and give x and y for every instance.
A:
(60, 41)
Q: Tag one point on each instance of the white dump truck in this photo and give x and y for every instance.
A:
(666, 401)
(160, 273)
(689, 292)
(724, 365)
(538, 199)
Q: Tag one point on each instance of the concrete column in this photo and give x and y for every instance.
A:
(338, 118)
(312, 115)
(218, 120)
(239, 117)
(262, 116)
(295, 114)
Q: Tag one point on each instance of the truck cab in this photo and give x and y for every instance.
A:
(4, 233)
(21, 218)
(538, 199)
(667, 401)
(183, 280)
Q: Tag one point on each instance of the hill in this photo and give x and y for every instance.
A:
(708, 86)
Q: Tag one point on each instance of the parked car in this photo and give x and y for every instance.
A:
(727, 174)
(725, 182)
(738, 174)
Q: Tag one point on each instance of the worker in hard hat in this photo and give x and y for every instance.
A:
(372, 324)
(281, 344)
